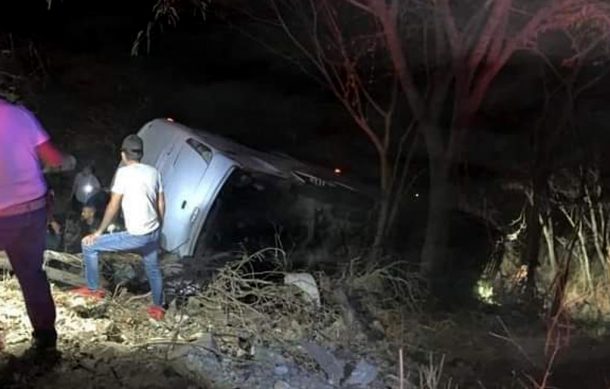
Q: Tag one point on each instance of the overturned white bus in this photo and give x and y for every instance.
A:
(215, 188)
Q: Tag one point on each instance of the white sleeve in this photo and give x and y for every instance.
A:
(118, 185)
(160, 183)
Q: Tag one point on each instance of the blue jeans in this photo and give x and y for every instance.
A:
(23, 239)
(145, 245)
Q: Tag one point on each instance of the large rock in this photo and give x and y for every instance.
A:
(331, 365)
(307, 284)
(363, 374)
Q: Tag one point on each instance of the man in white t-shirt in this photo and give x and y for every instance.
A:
(23, 213)
(138, 191)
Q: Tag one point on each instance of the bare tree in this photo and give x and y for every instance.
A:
(470, 43)
(345, 53)
(165, 13)
(558, 129)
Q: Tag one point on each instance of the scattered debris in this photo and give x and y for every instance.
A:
(282, 385)
(332, 366)
(61, 267)
(281, 370)
(245, 327)
(306, 283)
(362, 375)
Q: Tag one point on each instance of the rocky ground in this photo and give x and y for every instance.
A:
(241, 330)
(254, 326)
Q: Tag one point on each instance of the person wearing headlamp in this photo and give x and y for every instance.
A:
(86, 185)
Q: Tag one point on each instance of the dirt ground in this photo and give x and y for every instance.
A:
(234, 332)
(510, 351)
(90, 356)
(97, 367)
(114, 344)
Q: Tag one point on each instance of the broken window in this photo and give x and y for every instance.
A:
(204, 151)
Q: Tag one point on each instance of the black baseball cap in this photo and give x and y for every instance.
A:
(132, 143)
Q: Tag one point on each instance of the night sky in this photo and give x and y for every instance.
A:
(204, 74)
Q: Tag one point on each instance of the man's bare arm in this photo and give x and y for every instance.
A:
(161, 206)
(112, 210)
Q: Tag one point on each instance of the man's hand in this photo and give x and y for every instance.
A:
(55, 226)
(112, 209)
(90, 239)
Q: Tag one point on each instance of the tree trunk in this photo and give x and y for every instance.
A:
(534, 225)
(386, 202)
(382, 222)
(440, 202)
(532, 247)
(549, 237)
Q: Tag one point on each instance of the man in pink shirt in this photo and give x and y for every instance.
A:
(23, 214)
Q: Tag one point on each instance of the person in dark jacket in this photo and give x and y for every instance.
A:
(89, 220)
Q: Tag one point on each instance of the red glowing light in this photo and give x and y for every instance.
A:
(338, 171)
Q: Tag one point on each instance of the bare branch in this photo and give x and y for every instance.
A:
(470, 32)
(388, 115)
(290, 34)
(499, 39)
(497, 17)
(453, 36)
(592, 82)
(361, 5)
(273, 49)
(441, 42)
(555, 15)
(388, 17)
(535, 26)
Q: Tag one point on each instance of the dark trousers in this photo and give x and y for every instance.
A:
(23, 239)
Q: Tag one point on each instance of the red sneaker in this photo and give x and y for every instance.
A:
(156, 312)
(83, 291)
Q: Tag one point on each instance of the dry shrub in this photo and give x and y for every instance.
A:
(391, 284)
(389, 295)
(251, 300)
(424, 376)
(252, 297)
(430, 376)
(592, 306)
